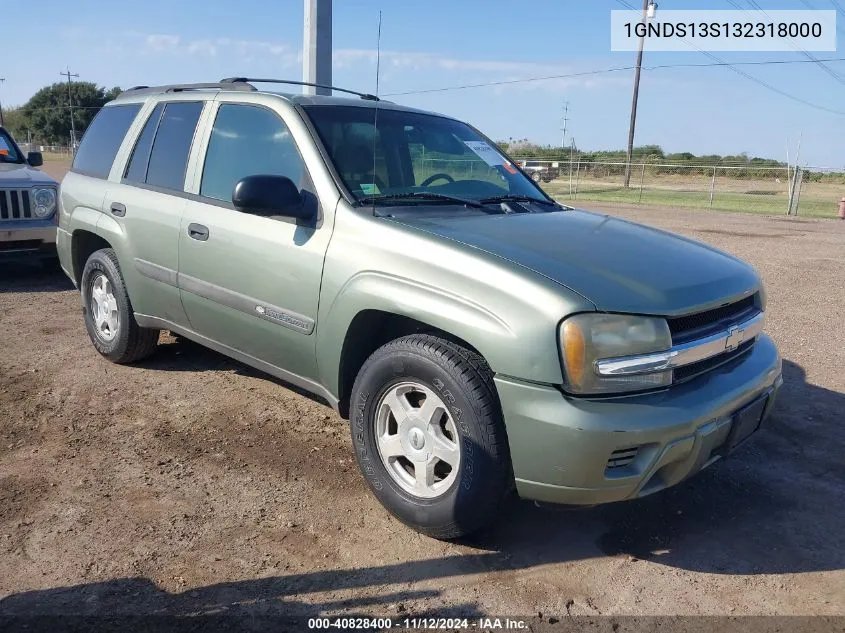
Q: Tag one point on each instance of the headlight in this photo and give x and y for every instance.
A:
(43, 202)
(587, 338)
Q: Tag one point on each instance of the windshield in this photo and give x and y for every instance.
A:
(413, 158)
(8, 150)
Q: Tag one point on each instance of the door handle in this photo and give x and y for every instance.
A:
(198, 232)
(118, 209)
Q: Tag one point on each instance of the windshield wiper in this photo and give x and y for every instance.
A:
(512, 197)
(424, 195)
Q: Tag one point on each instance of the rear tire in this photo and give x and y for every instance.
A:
(108, 313)
(466, 427)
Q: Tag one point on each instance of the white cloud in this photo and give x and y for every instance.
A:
(472, 71)
(244, 50)
(395, 64)
(202, 47)
(156, 44)
(422, 61)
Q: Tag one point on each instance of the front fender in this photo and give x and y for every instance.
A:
(525, 346)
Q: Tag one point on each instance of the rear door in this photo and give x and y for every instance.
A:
(148, 203)
(249, 282)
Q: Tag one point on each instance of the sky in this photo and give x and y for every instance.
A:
(447, 43)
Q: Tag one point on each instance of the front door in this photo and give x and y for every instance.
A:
(249, 282)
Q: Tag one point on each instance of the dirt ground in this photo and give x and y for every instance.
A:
(189, 483)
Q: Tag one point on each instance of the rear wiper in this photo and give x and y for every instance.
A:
(512, 197)
(424, 195)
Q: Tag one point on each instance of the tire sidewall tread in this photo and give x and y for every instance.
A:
(463, 381)
(132, 341)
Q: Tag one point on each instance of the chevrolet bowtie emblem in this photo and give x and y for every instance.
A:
(734, 340)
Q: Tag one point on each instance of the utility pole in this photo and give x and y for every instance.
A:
(563, 129)
(68, 74)
(633, 123)
(2, 79)
(317, 46)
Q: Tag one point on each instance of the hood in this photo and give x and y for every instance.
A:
(618, 265)
(22, 175)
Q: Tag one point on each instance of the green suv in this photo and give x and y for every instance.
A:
(479, 336)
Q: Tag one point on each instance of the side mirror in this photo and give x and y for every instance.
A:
(35, 159)
(270, 195)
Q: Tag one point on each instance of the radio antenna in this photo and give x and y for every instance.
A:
(375, 114)
(378, 51)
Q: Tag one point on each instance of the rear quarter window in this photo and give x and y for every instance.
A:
(102, 139)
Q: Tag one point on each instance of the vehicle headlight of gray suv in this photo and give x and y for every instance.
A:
(43, 202)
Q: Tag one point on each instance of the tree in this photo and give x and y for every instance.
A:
(15, 123)
(48, 116)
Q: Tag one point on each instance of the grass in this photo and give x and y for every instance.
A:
(817, 199)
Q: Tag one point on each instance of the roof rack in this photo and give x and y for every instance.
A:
(220, 85)
(245, 80)
(238, 83)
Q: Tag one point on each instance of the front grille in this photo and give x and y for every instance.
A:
(15, 204)
(693, 326)
(622, 457)
(694, 369)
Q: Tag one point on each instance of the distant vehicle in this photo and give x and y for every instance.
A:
(540, 171)
(479, 336)
(28, 199)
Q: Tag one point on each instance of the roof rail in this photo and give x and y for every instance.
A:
(221, 85)
(246, 80)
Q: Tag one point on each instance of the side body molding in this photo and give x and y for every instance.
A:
(224, 296)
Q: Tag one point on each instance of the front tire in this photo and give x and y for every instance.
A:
(429, 436)
(108, 313)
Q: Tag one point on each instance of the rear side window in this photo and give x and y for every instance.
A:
(172, 145)
(102, 139)
(136, 170)
(247, 140)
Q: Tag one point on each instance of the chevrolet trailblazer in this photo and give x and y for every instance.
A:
(478, 335)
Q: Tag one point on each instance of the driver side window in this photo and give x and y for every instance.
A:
(248, 140)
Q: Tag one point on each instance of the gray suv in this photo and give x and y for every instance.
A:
(28, 199)
(480, 337)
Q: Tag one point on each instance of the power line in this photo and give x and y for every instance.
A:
(75, 107)
(754, 5)
(718, 62)
(841, 11)
(836, 6)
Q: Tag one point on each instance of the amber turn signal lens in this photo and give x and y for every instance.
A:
(574, 352)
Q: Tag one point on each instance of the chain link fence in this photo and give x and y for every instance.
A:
(51, 151)
(813, 192)
(728, 187)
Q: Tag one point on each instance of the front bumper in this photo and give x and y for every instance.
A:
(561, 446)
(27, 238)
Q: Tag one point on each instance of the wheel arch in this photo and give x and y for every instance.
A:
(83, 243)
(369, 330)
